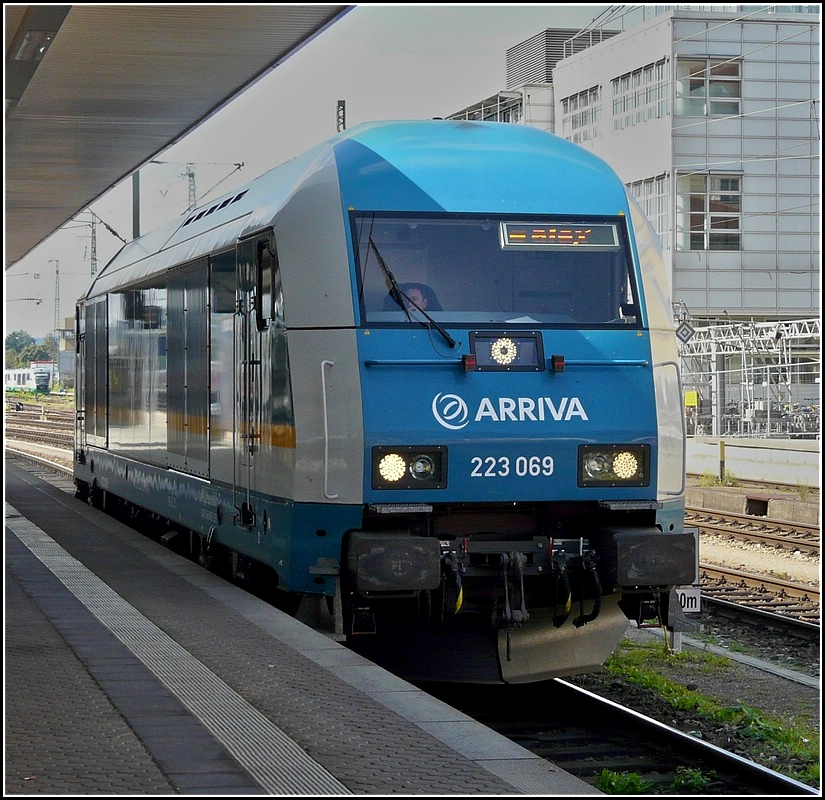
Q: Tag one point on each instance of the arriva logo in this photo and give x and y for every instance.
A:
(452, 412)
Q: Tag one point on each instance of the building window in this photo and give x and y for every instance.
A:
(652, 195)
(640, 95)
(708, 87)
(709, 212)
(580, 115)
(501, 108)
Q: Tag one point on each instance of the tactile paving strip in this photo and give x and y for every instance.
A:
(270, 756)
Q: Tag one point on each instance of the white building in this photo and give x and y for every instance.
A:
(529, 98)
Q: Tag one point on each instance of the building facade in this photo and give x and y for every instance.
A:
(712, 119)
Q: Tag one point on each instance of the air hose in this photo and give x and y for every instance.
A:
(562, 582)
(589, 571)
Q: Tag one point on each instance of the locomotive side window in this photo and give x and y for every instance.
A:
(575, 272)
(222, 283)
(136, 369)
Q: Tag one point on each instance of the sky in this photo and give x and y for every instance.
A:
(394, 61)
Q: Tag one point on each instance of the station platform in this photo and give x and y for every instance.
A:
(131, 670)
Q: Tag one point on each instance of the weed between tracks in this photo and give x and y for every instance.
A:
(687, 780)
(781, 743)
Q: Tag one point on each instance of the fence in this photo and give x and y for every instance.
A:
(752, 379)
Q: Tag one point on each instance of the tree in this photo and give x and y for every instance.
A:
(37, 352)
(17, 340)
(11, 361)
(22, 348)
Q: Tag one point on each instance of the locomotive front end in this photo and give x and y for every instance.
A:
(512, 453)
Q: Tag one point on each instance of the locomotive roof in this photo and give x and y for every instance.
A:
(427, 165)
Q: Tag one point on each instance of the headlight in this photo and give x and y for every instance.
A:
(504, 351)
(392, 467)
(614, 465)
(409, 467)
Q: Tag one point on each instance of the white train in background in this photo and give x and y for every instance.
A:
(39, 376)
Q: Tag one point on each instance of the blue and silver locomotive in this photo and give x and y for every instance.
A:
(427, 370)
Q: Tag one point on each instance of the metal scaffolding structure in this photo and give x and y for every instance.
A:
(756, 379)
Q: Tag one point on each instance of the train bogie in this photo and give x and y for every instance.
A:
(428, 371)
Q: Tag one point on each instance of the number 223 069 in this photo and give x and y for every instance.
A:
(503, 466)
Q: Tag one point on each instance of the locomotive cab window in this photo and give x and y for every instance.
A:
(269, 303)
(471, 269)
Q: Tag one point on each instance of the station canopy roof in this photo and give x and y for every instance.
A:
(94, 92)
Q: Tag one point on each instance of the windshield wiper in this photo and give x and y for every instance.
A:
(397, 294)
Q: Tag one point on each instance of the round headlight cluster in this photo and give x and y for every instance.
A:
(623, 465)
(614, 465)
(409, 467)
(503, 351)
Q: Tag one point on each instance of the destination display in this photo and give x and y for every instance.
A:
(564, 234)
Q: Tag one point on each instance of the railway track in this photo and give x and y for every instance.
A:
(793, 536)
(767, 593)
(16, 410)
(782, 598)
(39, 424)
(41, 434)
(763, 623)
(594, 738)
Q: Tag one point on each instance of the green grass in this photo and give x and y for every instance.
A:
(40, 398)
(688, 780)
(692, 780)
(611, 782)
(641, 664)
(707, 479)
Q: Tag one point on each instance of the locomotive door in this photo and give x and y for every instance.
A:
(253, 257)
(247, 384)
(80, 382)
